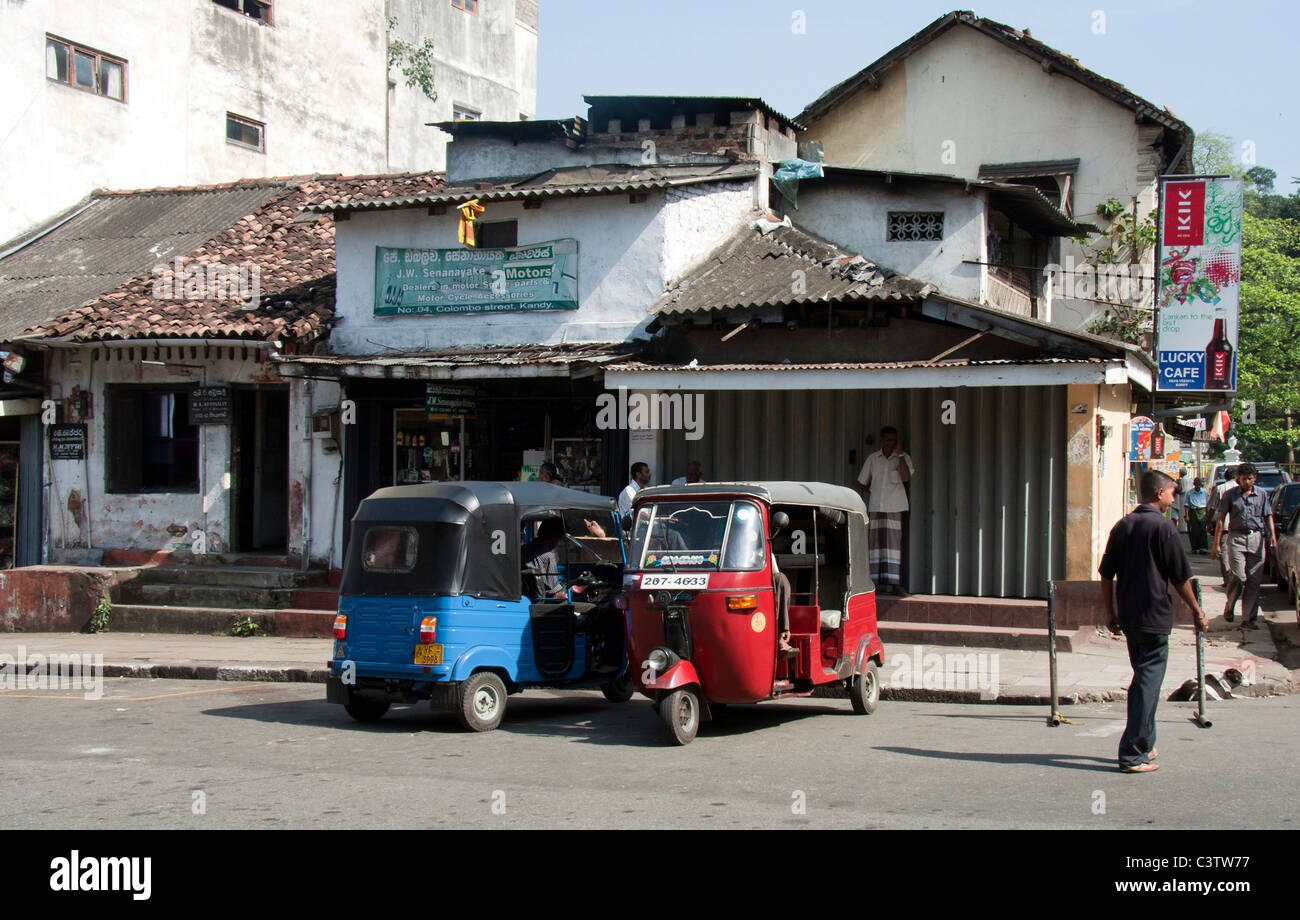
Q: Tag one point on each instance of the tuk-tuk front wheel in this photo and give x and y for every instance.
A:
(680, 711)
(864, 690)
(482, 702)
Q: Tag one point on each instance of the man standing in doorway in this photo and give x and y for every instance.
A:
(640, 479)
(1146, 556)
(883, 479)
(694, 474)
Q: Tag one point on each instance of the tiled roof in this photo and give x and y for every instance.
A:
(449, 360)
(636, 365)
(564, 182)
(257, 223)
(756, 268)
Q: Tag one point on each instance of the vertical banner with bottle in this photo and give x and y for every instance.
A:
(1198, 285)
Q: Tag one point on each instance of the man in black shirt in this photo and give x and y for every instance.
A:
(1146, 556)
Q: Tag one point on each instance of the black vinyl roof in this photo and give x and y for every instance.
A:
(820, 494)
(431, 501)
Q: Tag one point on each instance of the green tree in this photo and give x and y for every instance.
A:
(1215, 154)
(1268, 367)
(415, 61)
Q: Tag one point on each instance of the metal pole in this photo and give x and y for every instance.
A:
(462, 448)
(1200, 719)
(1053, 717)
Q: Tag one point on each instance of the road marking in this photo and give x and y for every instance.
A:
(12, 695)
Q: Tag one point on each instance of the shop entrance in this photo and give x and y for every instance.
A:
(260, 467)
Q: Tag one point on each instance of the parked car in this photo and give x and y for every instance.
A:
(1284, 501)
(1269, 476)
(1288, 558)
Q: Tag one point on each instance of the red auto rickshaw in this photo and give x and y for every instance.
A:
(701, 609)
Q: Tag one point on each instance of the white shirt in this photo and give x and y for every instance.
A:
(625, 497)
(681, 481)
(887, 493)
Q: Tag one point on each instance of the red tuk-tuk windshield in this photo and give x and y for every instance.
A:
(718, 535)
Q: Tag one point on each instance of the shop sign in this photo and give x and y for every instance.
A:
(210, 405)
(419, 282)
(67, 442)
(1140, 430)
(1198, 284)
(440, 400)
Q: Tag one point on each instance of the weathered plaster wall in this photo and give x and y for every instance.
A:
(626, 254)
(856, 218)
(964, 100)
(140, 521)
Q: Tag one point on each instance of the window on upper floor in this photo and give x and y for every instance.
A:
(469, 6)
(245, 132)
(500, 234)
(464, 113)
(259, 10)
(915, 226)
(85, 69)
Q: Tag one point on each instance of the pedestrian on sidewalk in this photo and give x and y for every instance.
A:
(883, 482)
(1197, 499)
(1144, 556)
(1216, 495)
(1247, 515)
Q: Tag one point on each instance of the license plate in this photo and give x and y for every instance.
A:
(694, 582)
(428, 654)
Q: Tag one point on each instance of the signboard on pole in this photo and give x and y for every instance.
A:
(1198, 283)
(1140, 439)
(421, 282)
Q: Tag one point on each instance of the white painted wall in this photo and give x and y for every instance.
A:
(316, 78)
(969, 94)
(626, 255)
(855, 217)
(140, 521)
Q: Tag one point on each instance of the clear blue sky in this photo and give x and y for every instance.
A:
(1228, 67)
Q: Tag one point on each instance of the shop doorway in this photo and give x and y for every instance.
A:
(260, 468)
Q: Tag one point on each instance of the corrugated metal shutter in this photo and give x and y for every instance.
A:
(988, 499)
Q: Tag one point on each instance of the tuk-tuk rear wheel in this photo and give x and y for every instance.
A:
(680, 711)
(482, 702)
(864, 690)
(364, 710)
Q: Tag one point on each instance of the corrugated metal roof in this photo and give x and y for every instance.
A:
(755, 269)
(573, 181)
(842, 366)
(400, 363)
(114, 238)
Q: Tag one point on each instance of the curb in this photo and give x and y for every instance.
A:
(218, 672)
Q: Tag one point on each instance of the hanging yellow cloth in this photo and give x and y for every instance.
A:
(470, 211)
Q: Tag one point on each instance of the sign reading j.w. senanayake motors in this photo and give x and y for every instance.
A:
(415, 282)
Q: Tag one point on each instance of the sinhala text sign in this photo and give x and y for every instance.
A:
(1199, 283)
(414, 282)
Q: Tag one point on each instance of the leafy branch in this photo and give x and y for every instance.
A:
(415, 61)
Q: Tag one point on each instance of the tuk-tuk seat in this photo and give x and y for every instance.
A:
(831, 618)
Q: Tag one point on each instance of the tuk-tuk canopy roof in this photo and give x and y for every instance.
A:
(453, 502)
(821, 494)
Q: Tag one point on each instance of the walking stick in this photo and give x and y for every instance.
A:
(1199, 718)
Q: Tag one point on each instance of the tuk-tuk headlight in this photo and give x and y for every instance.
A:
(660, 659)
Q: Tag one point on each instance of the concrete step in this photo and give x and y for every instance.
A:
(315, 599)
(168, 595)
(894, 633)
(287, 622)
(1003, 612)
(244, 576)
(184, 557)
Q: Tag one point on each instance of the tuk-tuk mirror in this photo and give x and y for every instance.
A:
(780, 521)
(625, 521)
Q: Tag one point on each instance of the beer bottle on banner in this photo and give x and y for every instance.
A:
(1218, 355)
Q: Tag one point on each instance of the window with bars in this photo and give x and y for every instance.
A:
(469, 6)
(152, 444)
(914, 226)
(464, 113)
(85, 69)
(245, 132)
(258, 10)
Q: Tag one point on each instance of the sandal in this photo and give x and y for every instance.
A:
(1140, 768)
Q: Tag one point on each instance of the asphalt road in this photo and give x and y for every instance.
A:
(199, 754)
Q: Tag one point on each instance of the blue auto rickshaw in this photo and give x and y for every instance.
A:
(460, 593)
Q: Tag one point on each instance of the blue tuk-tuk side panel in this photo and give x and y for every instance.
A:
(475, 634)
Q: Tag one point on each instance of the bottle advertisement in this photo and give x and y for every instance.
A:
(1199, 283)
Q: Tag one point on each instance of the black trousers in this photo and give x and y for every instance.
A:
(1148, 653)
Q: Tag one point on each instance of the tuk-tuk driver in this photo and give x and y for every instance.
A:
(542, 562)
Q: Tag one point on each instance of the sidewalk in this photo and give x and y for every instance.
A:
(1096, 673)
